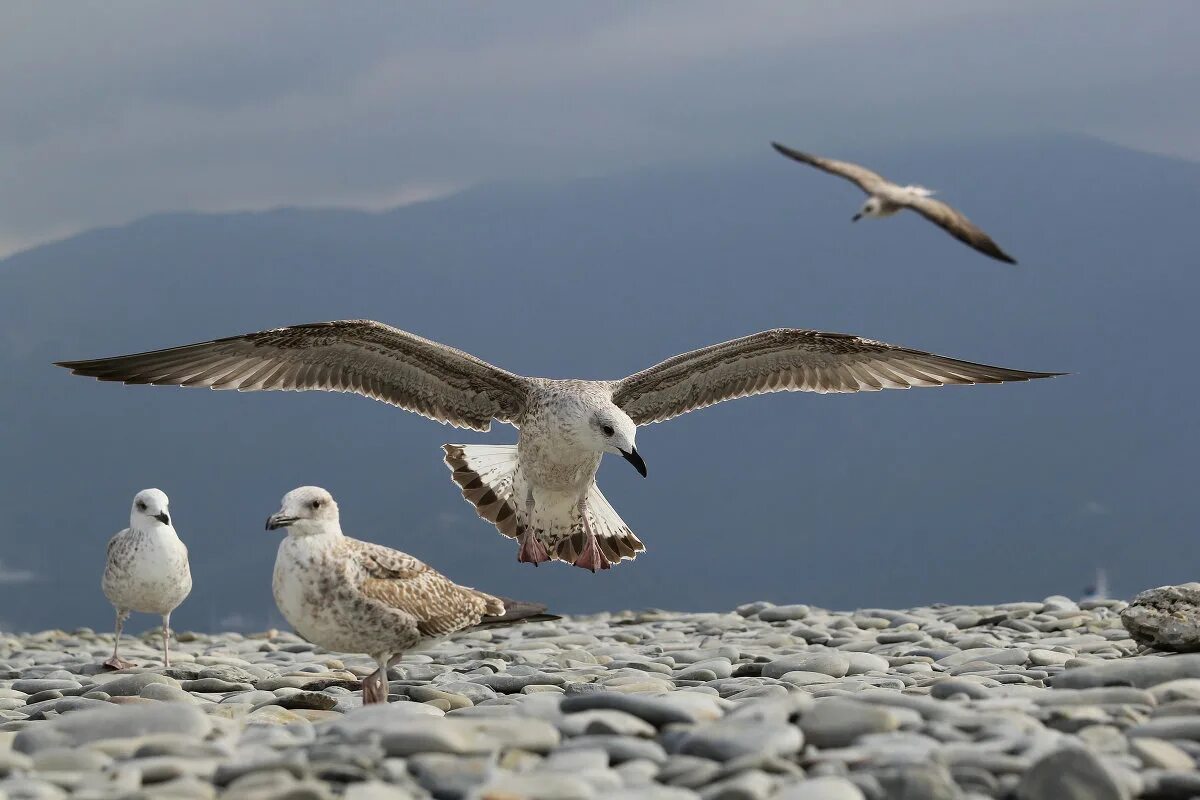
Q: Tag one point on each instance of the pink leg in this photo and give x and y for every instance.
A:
(532, 550)
(116, 662)
(375, 685)
(592, 557)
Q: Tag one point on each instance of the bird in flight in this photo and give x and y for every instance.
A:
(885, 198)
(541, 491)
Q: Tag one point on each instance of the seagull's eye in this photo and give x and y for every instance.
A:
(607, 430)
(316, 503)
(141, 506)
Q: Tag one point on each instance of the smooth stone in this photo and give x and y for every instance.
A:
(1071, 774)
(132, 685)
(922, 781)
(510, 684)
(991, 655)
(837, 722)
(1160, 754)
(866, 662)
(955, 686)
(166, 693)
(833, 664)
(656, 711)
(753, 784)
(605, 721)
(733, 738)
(1166, 618)
(1142, 672)
(784, 613)
(92, 725)
(1181, 727)
(536, 786)
(825, 788)
(309, 701)
(35, 685)
(446, 775)
(214, 686)
(619, 748)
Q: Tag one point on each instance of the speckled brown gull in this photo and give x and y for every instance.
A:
(885, 198)
(356, 597)
(542, 491)
(146, 569)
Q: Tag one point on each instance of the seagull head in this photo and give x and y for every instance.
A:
(610, 430)
(870, 208)
(306, 511)
(150, 508)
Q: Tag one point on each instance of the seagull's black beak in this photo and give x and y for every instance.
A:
(633, 458)
(163, 518)
(279, 521)
(856, 217)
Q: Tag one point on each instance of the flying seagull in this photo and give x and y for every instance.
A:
(356, 597)
(885, 198)
(146, 569)
(541, 491)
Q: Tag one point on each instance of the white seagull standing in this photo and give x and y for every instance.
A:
(356, 597)
(885, 198)
(146, 569)
(542, 491)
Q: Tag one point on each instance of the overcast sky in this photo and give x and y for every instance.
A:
(118, 109)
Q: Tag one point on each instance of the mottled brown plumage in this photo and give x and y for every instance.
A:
(353, 596)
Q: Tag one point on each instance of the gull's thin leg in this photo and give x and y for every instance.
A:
(592, 557)
(532, 551)
(375, 685)
(166, 636)
(116, 662)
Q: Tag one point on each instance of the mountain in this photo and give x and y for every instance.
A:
(964, 494)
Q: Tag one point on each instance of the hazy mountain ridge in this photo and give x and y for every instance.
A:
(893, 498)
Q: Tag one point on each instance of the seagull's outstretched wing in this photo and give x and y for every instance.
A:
(791, 360)
(956, 224)
(862, 177)
(403, 583)
(359, 356)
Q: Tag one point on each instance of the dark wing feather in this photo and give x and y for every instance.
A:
(791, 360)
(404, 583)
(862, 177)
(957, 225)
(359, 356)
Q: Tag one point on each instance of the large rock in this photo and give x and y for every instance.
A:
(1166, 618)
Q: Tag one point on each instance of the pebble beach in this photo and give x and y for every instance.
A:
(1041, 700)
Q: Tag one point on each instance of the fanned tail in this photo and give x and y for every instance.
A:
(485, 473)
(616, 540)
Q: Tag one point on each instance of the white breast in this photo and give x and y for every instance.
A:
(147, 571)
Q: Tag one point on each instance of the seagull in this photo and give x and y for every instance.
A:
(885, 198)
(146, 569)
(541, 491)
(352, 596)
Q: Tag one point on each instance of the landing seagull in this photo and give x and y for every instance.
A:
(541, 491)
(885, 198)
(146, 569)
(356, 597)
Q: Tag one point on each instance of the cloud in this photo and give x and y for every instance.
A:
(10, 576)
(1094, 508)
(133, 107)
